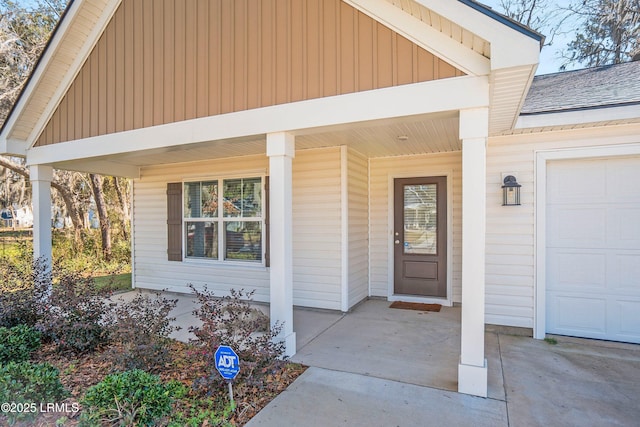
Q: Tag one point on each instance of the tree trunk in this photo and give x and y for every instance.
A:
(105, 225)
(124, 206)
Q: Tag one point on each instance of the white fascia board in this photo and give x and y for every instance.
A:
(13, 147)
(579, 117)
(424, 35)
(73, 70)
(431, 97)
(16, 147)
(509, 48)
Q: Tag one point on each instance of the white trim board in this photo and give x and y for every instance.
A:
(302, 117)
(541, 160)
(391, 296)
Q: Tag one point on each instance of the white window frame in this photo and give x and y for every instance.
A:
(221, 220)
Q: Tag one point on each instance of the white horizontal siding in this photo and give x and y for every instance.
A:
(510, 242)
(317, 228)
(357, 170)
(316, 231)
(152, 270)
(381, 170)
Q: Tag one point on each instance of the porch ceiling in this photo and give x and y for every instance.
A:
(382, 138)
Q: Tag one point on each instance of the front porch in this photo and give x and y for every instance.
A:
(381, 366)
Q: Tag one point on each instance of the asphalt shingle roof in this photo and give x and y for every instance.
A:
(601, 87)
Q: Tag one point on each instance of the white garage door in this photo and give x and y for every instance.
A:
(593, 248)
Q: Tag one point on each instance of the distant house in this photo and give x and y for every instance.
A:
(17, 217)
(326, 151)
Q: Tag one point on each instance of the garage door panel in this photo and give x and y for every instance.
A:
(575, 227)
(583, 181)
(593, 248)
(624, 224)
(626, 273)
(622, 183)
(574, 315)
(579, 270)
(628, 319)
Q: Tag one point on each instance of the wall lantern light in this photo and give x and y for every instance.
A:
(510, 191)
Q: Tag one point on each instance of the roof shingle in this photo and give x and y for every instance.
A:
(600, 87)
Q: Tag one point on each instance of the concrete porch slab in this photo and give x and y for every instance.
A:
(322, 397)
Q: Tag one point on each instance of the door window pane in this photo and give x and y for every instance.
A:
(420, 219)
(243, 198)
(202, 239)
(243, 240)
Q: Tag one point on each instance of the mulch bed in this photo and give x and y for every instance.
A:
(415, 306)
(77, 374)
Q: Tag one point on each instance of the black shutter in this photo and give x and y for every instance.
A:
(174, 221)
(267, 258)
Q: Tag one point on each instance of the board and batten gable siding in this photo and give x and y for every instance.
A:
(381, 170)
(164, 61)
(317, 234)
(510, 238)
(316, 230)
(358, 229)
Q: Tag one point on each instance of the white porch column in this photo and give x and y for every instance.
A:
(41, 177)
(472, 370)
(281, 151)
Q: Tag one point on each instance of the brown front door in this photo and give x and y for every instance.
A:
(420, 236)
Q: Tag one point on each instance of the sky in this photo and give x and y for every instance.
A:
(550, 59)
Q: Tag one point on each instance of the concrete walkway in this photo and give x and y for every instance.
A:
(377, 366)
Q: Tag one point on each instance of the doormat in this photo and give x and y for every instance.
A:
(415, 306)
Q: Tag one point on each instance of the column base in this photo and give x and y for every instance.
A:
(472, 379)
(289, 344)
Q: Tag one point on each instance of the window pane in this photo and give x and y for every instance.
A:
(210, 199)
(243, 198)
(201, 199)
(243, 240)
(202, 239)
(420, 219)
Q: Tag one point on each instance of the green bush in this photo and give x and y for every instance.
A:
(79, 318)
(129, 398)
(23, 288)
(26, 384)
(232, 321)
(142, 331)
(17, 343)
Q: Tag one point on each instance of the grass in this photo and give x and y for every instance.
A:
(114, 282)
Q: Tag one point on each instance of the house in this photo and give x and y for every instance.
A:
(321, 152)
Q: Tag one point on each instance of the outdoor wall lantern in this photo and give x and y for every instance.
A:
(510, 191)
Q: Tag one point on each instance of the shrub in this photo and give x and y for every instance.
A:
(17, 343)
(24, 286)
(232, 321)
(26, 383)
(129, 398)
(79, 318)
(142, 332)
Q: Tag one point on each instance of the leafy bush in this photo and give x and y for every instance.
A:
(79, 318)
(129, 398)
(17, 343)
(232, 321)
(142, 332)
(26, 383)
(23, 288)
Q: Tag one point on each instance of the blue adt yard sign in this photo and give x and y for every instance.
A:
(227, 362)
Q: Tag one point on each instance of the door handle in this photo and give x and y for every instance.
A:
(397, 242)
